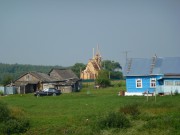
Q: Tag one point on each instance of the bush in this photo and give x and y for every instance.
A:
(9, 124)
(121, 83)
(103, 78)
(176, 92)
(114, 120)
(1, 93)
(16, 125)
(4, 112)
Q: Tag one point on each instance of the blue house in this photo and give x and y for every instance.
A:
(159, 75)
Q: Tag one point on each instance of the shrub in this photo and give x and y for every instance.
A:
(1, 93)
(114, 120)
(4, 112)
(9, 124)
(176, 92)
(16, 125)
(103, 78)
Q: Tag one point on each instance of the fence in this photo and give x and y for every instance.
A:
(8, 90)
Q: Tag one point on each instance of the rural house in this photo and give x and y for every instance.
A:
(66, 80)
(160, 75)
(32, 81)
(62, 79)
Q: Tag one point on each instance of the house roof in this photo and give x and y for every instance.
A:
(64, 74)
(152, 66)
(42, 76)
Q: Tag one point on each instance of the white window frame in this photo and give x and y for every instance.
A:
(177, 83)
(168, 83)
(153, 83)
(138, 83)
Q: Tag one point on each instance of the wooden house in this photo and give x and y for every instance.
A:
(32, 81)
(62, 79)
(66, 80)
(159, 75)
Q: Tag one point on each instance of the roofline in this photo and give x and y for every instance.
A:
(21, 76)
(144, 75)
(31, 73)
(58, 69)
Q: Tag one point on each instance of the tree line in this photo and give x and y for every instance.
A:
(11, 72)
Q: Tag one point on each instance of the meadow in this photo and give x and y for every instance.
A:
(84, 112)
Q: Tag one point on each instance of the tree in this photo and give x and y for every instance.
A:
(114, 68)
(103, 78)
(7, 79)
(111, 65)
(77, 67)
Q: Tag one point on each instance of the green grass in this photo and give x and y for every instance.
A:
(78, 113)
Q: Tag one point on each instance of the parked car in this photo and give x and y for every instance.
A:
(48, 92)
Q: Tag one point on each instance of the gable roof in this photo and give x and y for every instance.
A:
(42, 76)
(64, 74)
(152, 66)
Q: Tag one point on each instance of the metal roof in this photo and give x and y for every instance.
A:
(152, 66)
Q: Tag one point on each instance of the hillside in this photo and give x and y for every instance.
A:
(13, 71)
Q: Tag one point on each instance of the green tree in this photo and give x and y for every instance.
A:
(103, 78)
(111, 65)
(7, 79)
(77, 67)
(114, 68)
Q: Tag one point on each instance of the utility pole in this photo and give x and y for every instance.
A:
(126, 55)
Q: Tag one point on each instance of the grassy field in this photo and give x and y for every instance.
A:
(80, 113)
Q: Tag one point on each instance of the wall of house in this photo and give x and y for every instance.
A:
(131, 85)
(168, 86)
(65, 89)
(48, 85)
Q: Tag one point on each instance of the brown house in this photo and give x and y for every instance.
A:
(66, 80)
(62, 79)
(32, 81)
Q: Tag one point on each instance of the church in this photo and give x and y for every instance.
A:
(93, 67)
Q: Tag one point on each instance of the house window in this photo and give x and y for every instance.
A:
(153, 82)
(168, 83)
(138, 83)
(177, 83)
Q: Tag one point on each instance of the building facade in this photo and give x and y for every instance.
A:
(154, 75)
(92, 68)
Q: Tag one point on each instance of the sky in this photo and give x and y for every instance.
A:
(64, 32)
